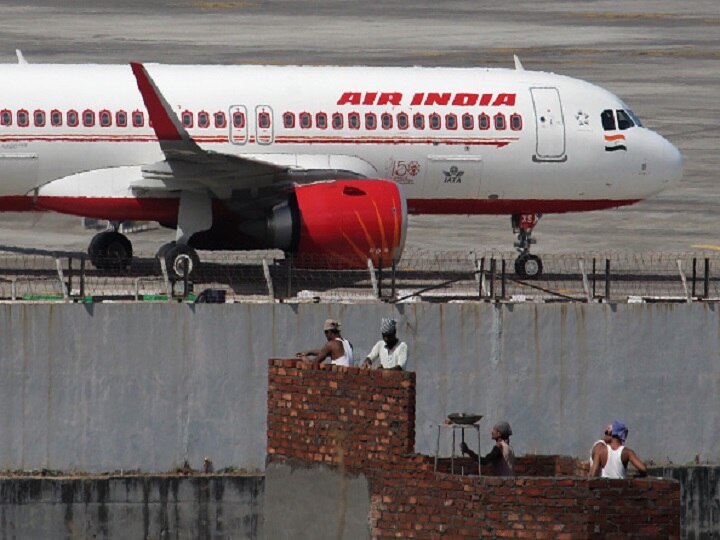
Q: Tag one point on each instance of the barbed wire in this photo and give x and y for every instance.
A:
(618, 276)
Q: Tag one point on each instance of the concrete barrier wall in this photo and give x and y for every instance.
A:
(104, 387)
(148, 507)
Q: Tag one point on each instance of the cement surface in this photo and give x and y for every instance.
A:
(661, 57)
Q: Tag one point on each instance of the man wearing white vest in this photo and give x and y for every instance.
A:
(612, 461)
(337, 348)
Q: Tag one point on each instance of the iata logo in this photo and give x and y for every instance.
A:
(454, 99)
(453, 176)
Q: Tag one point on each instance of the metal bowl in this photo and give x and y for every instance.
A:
(464, 418)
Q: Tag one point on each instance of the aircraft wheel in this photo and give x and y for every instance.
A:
(528, 266)
(179, 259)
(110, 250)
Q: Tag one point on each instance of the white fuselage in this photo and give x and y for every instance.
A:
(491, 140)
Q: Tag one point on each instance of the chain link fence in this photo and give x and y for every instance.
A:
(418, 276)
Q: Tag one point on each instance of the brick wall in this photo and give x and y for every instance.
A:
(363, 422)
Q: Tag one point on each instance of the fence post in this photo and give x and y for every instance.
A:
(166, 278)
(373, 279)
(706, 279)
(380, 276)
(593, 279)
(502, 279)
(63, 285)
(392, 278)
(607, 280)
(82, 277)
(268, 279)
(586, 285)
(683, 280)
(694, 275)
(480, 276)
(492, 277)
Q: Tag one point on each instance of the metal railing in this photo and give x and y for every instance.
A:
(418, 276)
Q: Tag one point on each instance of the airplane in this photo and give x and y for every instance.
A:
(324, 163)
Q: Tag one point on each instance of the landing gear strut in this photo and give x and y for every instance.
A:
(110, 250)
(527, 266)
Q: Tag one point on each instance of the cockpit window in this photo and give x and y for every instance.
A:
(624, 120)
(608, 120)
(634, 118)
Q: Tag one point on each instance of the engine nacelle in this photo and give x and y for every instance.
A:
(342, 224)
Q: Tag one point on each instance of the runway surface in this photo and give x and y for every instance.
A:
(661, 57)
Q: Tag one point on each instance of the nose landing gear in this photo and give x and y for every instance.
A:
(527, 266)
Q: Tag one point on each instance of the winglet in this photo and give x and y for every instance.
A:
(174, 139)
(518, 65)
(20, 57)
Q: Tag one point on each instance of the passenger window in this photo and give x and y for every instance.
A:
(468, 122)
(305, 120)
(419, 121)
(23, 118)
(515, 122)
(203, 119)
(624, 121)
(483, 121)
(289, 120)
(451, 121)
(434, 121)
(337, 121)
(6, 117)
(105, 118)
(321, 120)
(500, 121)
(220, 121)
(138, 119)
(239, 120)
(121, 119)
(403, 121)
(386, 120)
(88, 118)
(187, 119)
(55, 118)
(39, 118)
(72, 118)
(263, 120)
(370, 121)
(608, 120)
(354, 120)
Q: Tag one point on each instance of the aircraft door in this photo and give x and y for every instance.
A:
(549, 125)
(263, 124)
(452, 177)
(238, 124)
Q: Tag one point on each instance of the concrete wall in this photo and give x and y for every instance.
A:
(147, 507)
(107, 387)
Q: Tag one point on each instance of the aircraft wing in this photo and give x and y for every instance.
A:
(189, 167)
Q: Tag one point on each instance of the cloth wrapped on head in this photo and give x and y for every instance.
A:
(332, 324)
(504, 429)
(388, 326)
(619, 430)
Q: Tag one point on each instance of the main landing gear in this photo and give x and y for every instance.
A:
(527, 266)
(180, 259)
(110, 250)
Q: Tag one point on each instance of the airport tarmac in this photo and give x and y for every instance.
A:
(661, 57)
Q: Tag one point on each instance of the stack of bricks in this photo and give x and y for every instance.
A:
(362, 422)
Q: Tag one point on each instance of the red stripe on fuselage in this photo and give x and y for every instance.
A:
(510, 206)
(165, 209)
